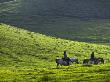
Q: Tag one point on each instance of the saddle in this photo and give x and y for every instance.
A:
(66, 59)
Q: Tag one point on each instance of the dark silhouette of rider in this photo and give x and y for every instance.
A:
(92, 56)
(67, 59)
(65, 55)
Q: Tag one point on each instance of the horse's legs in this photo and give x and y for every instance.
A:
(57, 64)
(77, 61)
(102, 60)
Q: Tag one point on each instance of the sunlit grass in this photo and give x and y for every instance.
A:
(29, 56)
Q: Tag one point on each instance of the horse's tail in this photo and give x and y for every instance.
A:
(57, 61)
(85, 61)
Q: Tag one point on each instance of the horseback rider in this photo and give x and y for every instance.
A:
(67, 59)
(92, 58)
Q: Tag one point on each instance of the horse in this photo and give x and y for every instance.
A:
(93, 61)
(61, 62)
(99, 60)
(74, 60)
(86, 61)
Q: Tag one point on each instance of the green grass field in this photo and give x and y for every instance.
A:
(30, 57)
(27, 56)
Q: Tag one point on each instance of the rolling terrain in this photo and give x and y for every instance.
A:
(2, 1)
(33, 33)
(30, 56)
(80, 20)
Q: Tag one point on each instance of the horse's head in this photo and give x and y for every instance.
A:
(74, 60)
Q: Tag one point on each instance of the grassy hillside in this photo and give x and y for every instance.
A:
(87, 21)
(65, 8)
(29, 56)
(2, 1)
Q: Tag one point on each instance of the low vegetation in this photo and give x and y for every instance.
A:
(88, 23)
(29, 56)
